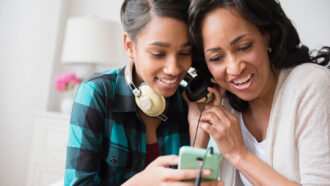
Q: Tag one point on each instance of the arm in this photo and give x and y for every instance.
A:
(228, 137)
(84, 146)
(159, 173)
(313, 129)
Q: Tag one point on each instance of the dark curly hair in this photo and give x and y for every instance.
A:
(269, 17)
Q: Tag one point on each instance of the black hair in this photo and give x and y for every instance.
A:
(135, 14)
(269, 17)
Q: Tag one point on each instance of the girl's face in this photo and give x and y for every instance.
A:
(161, 54)
(236, 54)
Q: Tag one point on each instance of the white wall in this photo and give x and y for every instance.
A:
(25, 72)
(311, 19)
(29, 58)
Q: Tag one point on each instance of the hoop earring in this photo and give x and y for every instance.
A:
(269, 50)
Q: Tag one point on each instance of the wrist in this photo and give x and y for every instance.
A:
(133, 181)
(238, 157)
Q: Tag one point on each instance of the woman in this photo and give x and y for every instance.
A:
(111, 139)
(273, 126)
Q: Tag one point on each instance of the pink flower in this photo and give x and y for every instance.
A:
(66, 81)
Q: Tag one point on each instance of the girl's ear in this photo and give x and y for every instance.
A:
(128, 44)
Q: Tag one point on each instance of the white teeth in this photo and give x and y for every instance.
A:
(168, 81)
(244, 80)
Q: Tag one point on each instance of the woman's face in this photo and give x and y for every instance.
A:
(162, 54)
(236, 54)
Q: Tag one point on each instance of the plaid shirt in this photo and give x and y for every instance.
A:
(107, 139)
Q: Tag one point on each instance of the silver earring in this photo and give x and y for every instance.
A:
(269, 50)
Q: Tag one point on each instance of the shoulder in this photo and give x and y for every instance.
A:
(308, 71)
(305, 76)
(100, 85)
(102, 82)
(104, 77)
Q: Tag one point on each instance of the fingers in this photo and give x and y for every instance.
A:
(217, 97)
(166, 161)
(192, 183)
(222, 120)
(185, 174)
(220, 112)
(213, 183)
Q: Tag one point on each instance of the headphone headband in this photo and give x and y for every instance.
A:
(129, 79)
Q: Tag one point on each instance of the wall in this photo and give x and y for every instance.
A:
(103, 9)
(29, 49)
(311, 19)
(26, 63)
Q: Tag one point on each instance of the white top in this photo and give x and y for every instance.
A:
(253, 145)
(298, 133)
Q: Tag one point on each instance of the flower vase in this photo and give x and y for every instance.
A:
(67, 101)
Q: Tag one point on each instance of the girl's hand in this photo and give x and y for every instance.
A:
(159, 173)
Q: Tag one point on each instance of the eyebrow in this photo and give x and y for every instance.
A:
(237, 39)
(167, 45)
(231, 43)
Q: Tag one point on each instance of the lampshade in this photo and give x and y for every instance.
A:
(93, 40)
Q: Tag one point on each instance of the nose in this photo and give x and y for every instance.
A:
(234, 66)
(172, 66)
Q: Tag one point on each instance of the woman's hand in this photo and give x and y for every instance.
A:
(225, 129)
(159, 173)
(194, 110)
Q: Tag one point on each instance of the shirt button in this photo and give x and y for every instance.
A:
(113, 159)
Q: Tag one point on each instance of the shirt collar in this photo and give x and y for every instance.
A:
(124, 100)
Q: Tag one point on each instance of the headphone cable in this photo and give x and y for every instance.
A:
(198, 179)
(199, 118)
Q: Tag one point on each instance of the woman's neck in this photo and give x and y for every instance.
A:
(257, 116)
(263, 103)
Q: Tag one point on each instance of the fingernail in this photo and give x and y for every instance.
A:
(203, 126)
(207, 172)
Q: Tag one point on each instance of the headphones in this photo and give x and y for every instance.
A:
(154, 105)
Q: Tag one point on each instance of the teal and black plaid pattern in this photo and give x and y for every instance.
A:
(107, 144)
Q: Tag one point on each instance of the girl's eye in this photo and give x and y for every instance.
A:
(215, 58)
(245, 47)
(157, 54)
(185, 53)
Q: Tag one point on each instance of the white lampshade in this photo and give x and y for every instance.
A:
(94, 41)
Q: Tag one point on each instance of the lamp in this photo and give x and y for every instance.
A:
(92, 41)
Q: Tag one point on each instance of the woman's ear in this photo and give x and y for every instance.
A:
(267, 39)
(128, 44)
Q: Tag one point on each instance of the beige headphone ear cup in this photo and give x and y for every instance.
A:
(151, 103)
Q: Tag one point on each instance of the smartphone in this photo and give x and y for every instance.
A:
(192, 158)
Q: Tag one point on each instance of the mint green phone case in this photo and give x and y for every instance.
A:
(189, 158)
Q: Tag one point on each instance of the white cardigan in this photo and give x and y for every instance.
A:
(298, 134)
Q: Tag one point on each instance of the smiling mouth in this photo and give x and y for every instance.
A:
(169, 82)
(242, 81)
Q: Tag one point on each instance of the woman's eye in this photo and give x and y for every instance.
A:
(245, 47)
(215, 58)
